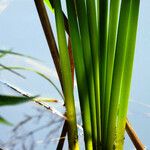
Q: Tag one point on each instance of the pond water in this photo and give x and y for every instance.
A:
(20, 30)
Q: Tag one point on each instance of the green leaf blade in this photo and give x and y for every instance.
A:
(66, 77)
(119, 64)
(7, 100)
(5, 122)
(126, 83)
(111, 48)
(49, 5)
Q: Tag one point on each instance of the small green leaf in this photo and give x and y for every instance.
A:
(4, 121)
(6, 100)
(49, 4)
(12, 71)
(38, 73)
(9, 52)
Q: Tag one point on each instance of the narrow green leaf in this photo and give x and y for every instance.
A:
(93, 32)
(119, 63)
(46, 24)
(38, 73)
(127, 74)
(87, 46)
(10, 52)
(49, 4)
(12, 71)
(80, 73)
(66, 77)
(4, 121)
(6, 100)
(19, 91)
(111, 48)
(103, 33)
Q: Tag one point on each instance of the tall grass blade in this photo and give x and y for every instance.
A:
(49, 36)
(50, 6)
(93, 32)
(119, 63)
(103, 31)
(127, 73)
(87, 56)
(66, 77)
(111, 48)
(6, 100)
(65, 126)
(80, 73)
(64, 16)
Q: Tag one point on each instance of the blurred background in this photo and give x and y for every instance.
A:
(21, 31)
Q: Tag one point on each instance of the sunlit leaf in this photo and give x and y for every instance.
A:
(4, 121)
(36, 99)
(6, 100)
(49, 4)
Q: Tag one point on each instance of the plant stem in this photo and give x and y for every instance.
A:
(85, 39)
(103, 29)
(118, 71)
(49, 36)
(65, 126)
(93, 30)
(127, 74)
(63, 134)
(133, 136)
(80, 73)
(66, 78)
(111, 43)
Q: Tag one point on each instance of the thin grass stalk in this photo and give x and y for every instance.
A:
(93, 31)
(12, 71)
(64, 16)
(111, 46)
(62, 136)
(66, 77)
(118, 71)
(127, 74)
(134, 138)
(71, 60)
(103, 52)
(54, 52)
(49, 36)
(65, 126)
(85, 39)
(80, 73)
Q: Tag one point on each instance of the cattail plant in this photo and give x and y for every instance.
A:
(102, 36)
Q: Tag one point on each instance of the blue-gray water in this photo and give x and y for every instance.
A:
(20, 30)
